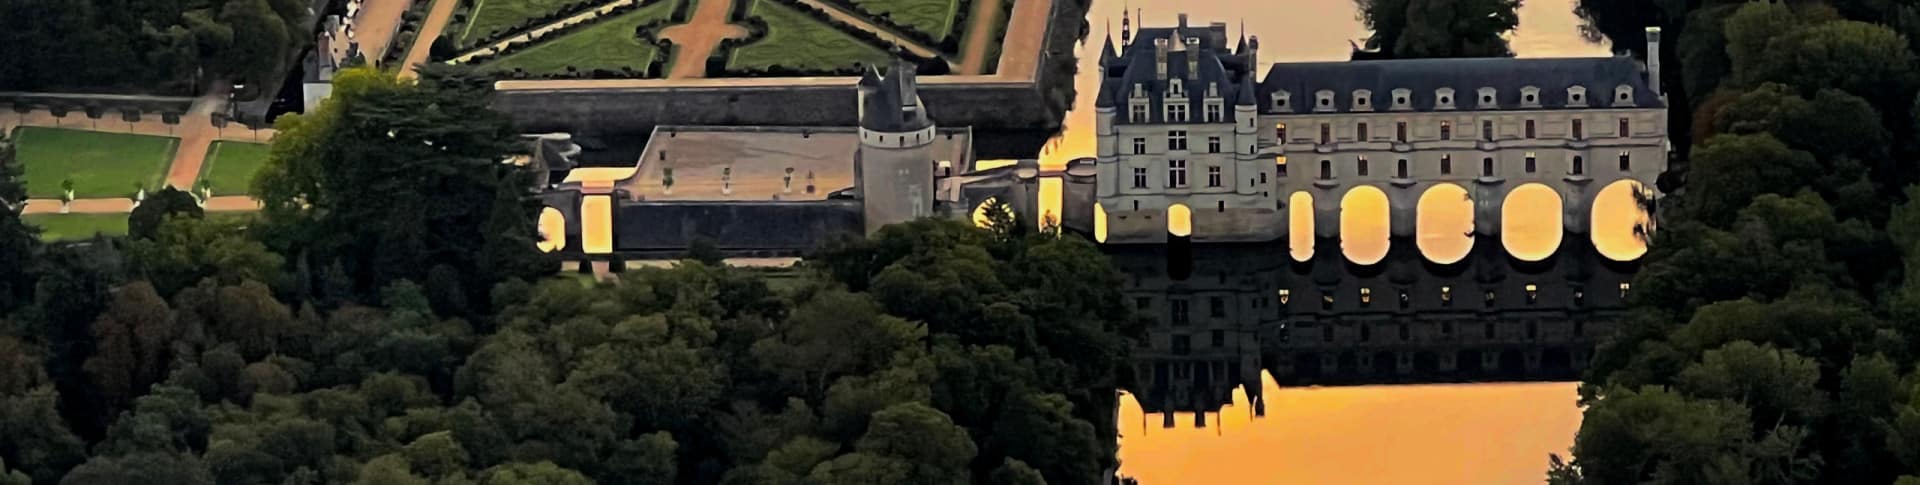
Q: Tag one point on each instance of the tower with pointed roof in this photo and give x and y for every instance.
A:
(894, 164)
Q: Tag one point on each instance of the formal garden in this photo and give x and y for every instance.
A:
(230, 166)
(783, 37)
(71, 227)
(95, 164)
(797, 41)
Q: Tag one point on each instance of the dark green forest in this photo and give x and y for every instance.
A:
(1775, 323)
(387, 320)
(145, 46)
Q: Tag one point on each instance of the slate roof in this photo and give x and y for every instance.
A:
(1600, 75)
(886, 99)
(1214, 64)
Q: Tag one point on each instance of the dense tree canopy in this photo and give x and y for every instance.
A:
(154, 46)
(1413, 29)
(1773, 337)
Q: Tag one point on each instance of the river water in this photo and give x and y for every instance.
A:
(1495, 433)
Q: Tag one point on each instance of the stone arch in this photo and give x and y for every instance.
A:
(1179, 220)
(1366, 227)
(1300, 235)
(1616, 218)
(1531, 223)
(1443, 223)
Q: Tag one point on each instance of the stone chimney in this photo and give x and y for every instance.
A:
(1160, 58)
(1653, 61)
(1183, 21)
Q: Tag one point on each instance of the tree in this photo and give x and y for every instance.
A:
(1866, 60)
(141, 469)
(1740, 167)
(159, 206)
(182, 251)
(18, 241)
(542, 473)
(260, 37)
(1414, 29)
(134, 342)
(906, 443)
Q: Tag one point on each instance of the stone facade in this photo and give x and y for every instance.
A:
(1190, 145)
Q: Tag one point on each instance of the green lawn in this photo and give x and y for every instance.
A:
(489, 15)
(797, 41)
(931, 17)
(67, 227)
(608, 44)
(230, 166)
(100, 164)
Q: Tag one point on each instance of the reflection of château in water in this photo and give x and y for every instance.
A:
(1221, 314)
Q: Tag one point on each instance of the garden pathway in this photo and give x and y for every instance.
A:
(979, 35)
(528, 36)
(861, 22)
(375, 24)
(695, 40)
(224, 203)
(429, 30)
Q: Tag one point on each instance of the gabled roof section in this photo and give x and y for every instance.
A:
(891, 103)
(1197, 56)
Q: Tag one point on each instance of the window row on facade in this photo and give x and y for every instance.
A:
(1176, 170)
(1444, 99)
(1401, 132)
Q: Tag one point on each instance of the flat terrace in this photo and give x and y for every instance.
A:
(700, 157)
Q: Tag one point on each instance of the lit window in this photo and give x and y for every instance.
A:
(1280, 133)
(1285, 295)
(1533, 293)
(1362, 166)
(1530, 162)
(1623, 289)
(1366, 296)
(1446, 295)
(1446, 164)
(1626, 161)
(1446, 130)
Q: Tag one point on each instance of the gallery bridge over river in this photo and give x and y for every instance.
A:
(1222, 314)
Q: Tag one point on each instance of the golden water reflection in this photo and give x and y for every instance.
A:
(1530, 226)
(1616, 215)
(1444, 224)
(1403, 434)
(1365, 225)
(1300, 226)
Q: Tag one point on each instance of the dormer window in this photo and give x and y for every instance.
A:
(1402, 99)
(1213, 90)
(1362, 100)
(1175, 88)
(1487, 98)
(1443, 98)
(1281, 100)
(1193, 41)
(1139, 91)
(1623, 95)
(1577, 96)
(1530, 97)
(1323, 101)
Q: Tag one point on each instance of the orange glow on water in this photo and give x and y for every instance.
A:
(1099, 223)
(596, 224)
(1365, 225)
(1530, 226)
(1443, 224)
(1050, 190)
(1402, 435)
(1180, 220)
(1615, 216)
(1300, 226)
(553, 230)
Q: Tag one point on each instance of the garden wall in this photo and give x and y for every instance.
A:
(787, 226)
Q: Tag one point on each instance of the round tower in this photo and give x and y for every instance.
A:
(894, 163)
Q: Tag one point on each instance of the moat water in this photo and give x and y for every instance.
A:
(1483, 433)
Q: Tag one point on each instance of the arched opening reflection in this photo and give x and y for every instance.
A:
(1365, 225)
(1300, 226)
(553, 230)
(1099, 223)
(1179, 220)
(1530, 222)
(1443, 224)
(980, 211)
(1619, 222)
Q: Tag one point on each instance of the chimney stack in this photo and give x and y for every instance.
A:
(1183, 21)
(1653, 61)
(1160, 58)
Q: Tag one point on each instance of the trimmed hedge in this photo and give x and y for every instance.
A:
(757, 29)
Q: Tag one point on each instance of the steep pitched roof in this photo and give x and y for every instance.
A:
(1423, 77)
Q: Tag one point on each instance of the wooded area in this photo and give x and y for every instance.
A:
(145, 46)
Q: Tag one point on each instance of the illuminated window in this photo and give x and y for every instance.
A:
(1366, 296)
(1531, 162)
(1280, 133)
(1326, 302)
(1281, 166)
(1490, 298)
(1446, 130)
(1285, 295)
(1446, 164)
(1533, 293)
(1405, 301)
(1623, 289)
(1362, 166)
(1446, 295)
